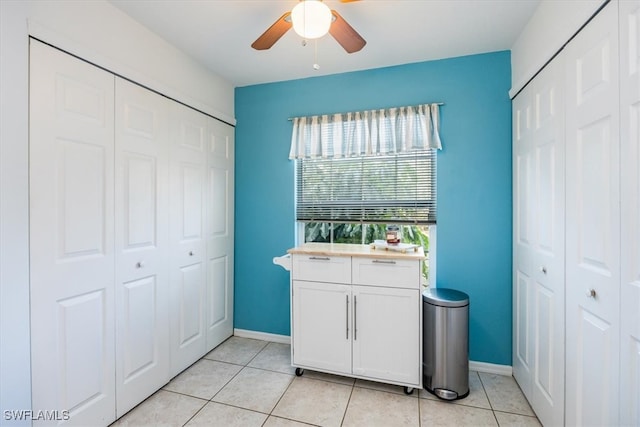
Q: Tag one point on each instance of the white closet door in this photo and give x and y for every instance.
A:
(71, 237)
(523, 247)
(142, 243)
(593, 223)
(547, 297)
(630, 206)
(219, 236)
(188, 188)
(539, 243)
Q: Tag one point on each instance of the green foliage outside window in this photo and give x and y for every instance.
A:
(358, 233)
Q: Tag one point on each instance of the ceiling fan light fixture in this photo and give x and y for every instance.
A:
(311, 19)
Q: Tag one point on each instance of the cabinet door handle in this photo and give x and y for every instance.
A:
(320, 258)
(347, 316)
(355, 318)
(380, 261)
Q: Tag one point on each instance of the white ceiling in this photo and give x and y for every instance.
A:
(219, 33)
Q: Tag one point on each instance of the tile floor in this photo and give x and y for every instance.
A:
(246, 382)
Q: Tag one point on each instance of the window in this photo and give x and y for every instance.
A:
(352, 200)
(358, 172)
(390, 189)
(359, 233)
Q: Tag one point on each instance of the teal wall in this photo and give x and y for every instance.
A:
(474, 184)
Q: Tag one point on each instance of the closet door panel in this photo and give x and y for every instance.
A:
(593, 223)
(548, 301)
(71, 237)
(522, 238)
(219, 236)
(188, 190)
(539, 243)
(142, 244)
(630, 206)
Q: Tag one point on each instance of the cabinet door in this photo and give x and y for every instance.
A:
(142, 244)
(593, 223)
(188, 187)
(321, 326)
(71, 237)
(630, 206)
(386, 334)
(219, 235)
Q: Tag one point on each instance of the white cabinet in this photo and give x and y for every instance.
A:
(131, 238)
(386, 334)
(321, 326)
(358, 316)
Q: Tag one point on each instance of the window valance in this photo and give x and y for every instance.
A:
(374, 132)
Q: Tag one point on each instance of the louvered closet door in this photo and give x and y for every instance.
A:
(539, 243)
(219, 236)
(142, 243)
(71, 237)
(630, 206)
(188, 187)
(593, 223)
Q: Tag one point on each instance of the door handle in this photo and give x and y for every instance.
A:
(347, 316)
(355, 318)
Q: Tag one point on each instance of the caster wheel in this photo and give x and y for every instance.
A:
(299, 372)
(408, 391)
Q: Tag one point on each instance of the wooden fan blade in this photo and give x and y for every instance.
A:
(344, 34)
(273, 33)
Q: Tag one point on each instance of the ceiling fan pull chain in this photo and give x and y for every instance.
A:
(315, 55)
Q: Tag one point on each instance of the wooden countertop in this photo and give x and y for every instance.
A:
(344, 249)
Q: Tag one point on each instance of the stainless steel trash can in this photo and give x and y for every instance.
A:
(445, 327)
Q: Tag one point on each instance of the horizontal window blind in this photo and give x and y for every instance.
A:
(391, 189)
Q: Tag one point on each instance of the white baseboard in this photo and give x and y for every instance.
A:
(489, 368)
(264, 336)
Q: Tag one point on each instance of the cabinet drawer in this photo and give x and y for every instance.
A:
(396, 273)
(321, 268)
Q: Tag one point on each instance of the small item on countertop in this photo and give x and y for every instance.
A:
(393, 234)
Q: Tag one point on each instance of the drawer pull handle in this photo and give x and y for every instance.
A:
(379, 261)
(320, 258)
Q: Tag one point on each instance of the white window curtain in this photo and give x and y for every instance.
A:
(368, 133)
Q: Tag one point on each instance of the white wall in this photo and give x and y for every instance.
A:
(102, 34)
(552, 25)
(15, 378)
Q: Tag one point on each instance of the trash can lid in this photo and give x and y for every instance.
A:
(444, 297)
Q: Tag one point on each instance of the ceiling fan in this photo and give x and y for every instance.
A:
(312, 19)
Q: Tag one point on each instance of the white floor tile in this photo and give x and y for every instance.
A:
(255, 389)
